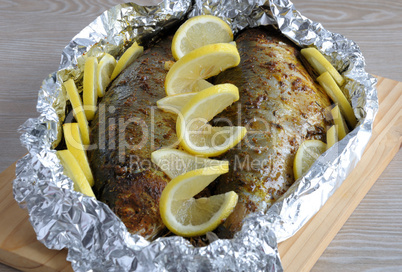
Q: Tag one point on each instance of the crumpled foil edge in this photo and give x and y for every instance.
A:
(332, 168)
(96, 239)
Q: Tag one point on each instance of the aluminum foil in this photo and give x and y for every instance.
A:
(95, 238)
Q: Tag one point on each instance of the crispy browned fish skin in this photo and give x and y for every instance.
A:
(279, 103)
(281, 106)
(125, 178)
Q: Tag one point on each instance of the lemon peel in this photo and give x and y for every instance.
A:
(174, 162)
(201, 63)
(199, 31)
(186, 216)
(306, 155)
(175, 103)
(105, 70)
(128, 57)
(196, 136)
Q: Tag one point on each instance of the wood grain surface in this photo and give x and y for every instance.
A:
(33, 34)
(300, 252)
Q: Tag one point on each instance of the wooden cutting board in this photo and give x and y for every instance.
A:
(20, 249)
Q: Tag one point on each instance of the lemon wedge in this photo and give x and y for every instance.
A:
(74, 171)
(90, 93)
(341, 127)
(174, 103)
(306, 155)
(199, 31)
(76, 147)
(78, 110)
(105, 70)
(321, 64)
(336, 94)
(196, 135)
(128, 57)
(201, 63)
(332, 136)
(174, 162)
(200, 85)
(186, 216)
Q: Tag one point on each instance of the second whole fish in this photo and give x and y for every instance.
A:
(281, 106)
(279, 103)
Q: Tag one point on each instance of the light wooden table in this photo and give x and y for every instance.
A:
(34, 32)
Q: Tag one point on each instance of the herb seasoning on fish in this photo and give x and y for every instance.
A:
(127, 128)
(278, 106)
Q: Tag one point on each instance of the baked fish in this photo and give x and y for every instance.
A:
(127, 128)
(281, 106)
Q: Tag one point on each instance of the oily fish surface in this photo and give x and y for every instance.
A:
(276, 96)
(281, 106)
(125, 178)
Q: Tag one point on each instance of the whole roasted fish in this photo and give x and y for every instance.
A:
(127, 128)
(281, 106)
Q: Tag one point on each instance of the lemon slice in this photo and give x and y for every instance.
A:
(199, 138)
(341, 127)
(74, 171)
(128, 57)
(105, 70)
(176, 162)
(186, 216)
(335, 93)
(90, 93)
(200, 85)
(201, 63)
(332, 136)
(321, 64)
(79, 113)
(75, 146)
(174, 103)
(306, 155)
(199, 31)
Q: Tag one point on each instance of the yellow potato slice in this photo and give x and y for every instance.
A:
(339, 122)
(332, 136)
(321, 64)
(90, 93)
(73, 170)
(335, 93)
(79, 113)
(74, 144)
